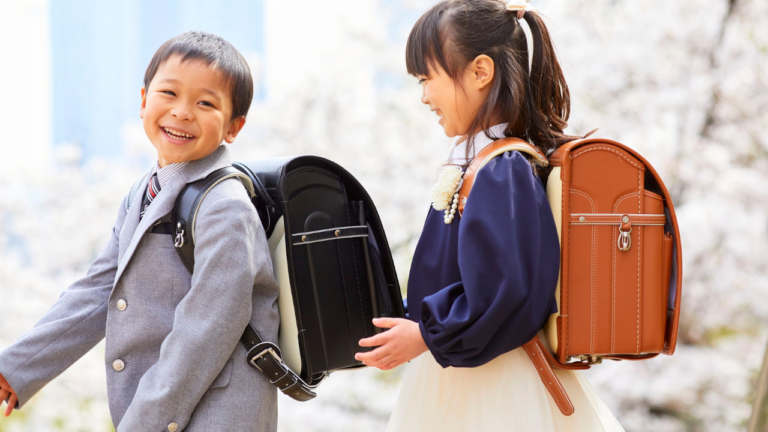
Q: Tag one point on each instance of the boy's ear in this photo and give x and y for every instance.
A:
(143, 102)
(234, 128)
(483, 69)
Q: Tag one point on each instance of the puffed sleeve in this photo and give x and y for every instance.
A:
(509, 258)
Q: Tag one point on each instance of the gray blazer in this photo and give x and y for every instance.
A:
(173, 357)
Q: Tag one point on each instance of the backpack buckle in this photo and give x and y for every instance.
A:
(590, 359)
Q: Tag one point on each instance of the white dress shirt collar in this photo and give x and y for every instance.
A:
(166, 173)
(458, 152)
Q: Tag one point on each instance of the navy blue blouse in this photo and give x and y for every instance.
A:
(484, 285)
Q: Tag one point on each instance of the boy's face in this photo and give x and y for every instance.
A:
(187, 110)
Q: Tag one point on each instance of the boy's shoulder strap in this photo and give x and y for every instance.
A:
(487, 154)
(134, 190)
(184, 214)
(262, 355)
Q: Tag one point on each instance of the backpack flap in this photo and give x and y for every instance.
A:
(340, 266)
(609, 287)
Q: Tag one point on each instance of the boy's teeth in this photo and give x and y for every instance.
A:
(177, 134)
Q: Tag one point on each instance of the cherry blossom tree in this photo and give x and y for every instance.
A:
(684, 83)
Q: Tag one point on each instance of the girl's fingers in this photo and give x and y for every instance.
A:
(3, 396)
(387, 322)
(380, 363)
(11, 405)
(372, 356)
(391, 365)
(378, 340)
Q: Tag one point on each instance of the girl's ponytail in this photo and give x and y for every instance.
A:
(548, 99)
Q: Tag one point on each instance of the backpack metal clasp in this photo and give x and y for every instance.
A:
(179, 241)
(625, 240)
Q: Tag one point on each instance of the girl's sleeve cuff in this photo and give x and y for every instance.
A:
(438, 358)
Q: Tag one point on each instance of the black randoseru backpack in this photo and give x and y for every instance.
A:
(330, 257)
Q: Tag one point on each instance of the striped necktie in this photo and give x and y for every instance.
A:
(153, 188)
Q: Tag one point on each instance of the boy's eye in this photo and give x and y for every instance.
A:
(208, 104)
(168, 92)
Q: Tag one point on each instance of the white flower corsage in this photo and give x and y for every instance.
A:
(445, 195)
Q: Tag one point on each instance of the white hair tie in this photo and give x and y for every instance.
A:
(521, 6)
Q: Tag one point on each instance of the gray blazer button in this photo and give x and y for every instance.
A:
(173, 427)
(118, 365)
(122, 304)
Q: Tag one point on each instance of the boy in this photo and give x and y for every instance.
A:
(173, 357)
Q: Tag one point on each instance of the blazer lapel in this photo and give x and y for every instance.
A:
(133, 229)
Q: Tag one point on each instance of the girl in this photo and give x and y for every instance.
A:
(483, 284)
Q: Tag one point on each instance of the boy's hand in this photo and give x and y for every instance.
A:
(402, 343)
(7, 395)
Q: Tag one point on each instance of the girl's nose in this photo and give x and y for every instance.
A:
(424, 98)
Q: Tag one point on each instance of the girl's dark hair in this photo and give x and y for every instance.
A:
(216, 52)
(535, 105)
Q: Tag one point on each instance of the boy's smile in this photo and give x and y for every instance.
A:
(187, 111)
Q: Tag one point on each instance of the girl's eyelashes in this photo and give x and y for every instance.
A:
(421, 81)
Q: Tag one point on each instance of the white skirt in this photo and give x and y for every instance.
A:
(505, 394)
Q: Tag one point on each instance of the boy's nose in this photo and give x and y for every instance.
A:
(181, 112)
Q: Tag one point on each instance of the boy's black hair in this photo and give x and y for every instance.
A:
(216, 52)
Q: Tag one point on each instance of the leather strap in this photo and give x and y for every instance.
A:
(617, 219)
(266, 357)
(541, 361)
(537, 352)
(134, 191)
(188, 203)
(489, 152)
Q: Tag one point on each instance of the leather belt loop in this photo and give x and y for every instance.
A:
(626, 223)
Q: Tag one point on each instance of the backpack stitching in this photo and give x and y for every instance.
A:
(567, 297)
(639, 238)
(357, 279)
(631, 194)
(574, 156)
(592, 276)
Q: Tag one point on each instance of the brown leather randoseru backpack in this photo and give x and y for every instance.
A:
(618, 296)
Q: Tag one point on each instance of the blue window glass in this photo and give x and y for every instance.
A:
(101, 49)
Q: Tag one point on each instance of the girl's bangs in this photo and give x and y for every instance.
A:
(424, 50)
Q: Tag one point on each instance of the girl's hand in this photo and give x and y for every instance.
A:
(5, 392)
(402, 343)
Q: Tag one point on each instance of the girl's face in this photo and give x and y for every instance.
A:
(457, 103)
